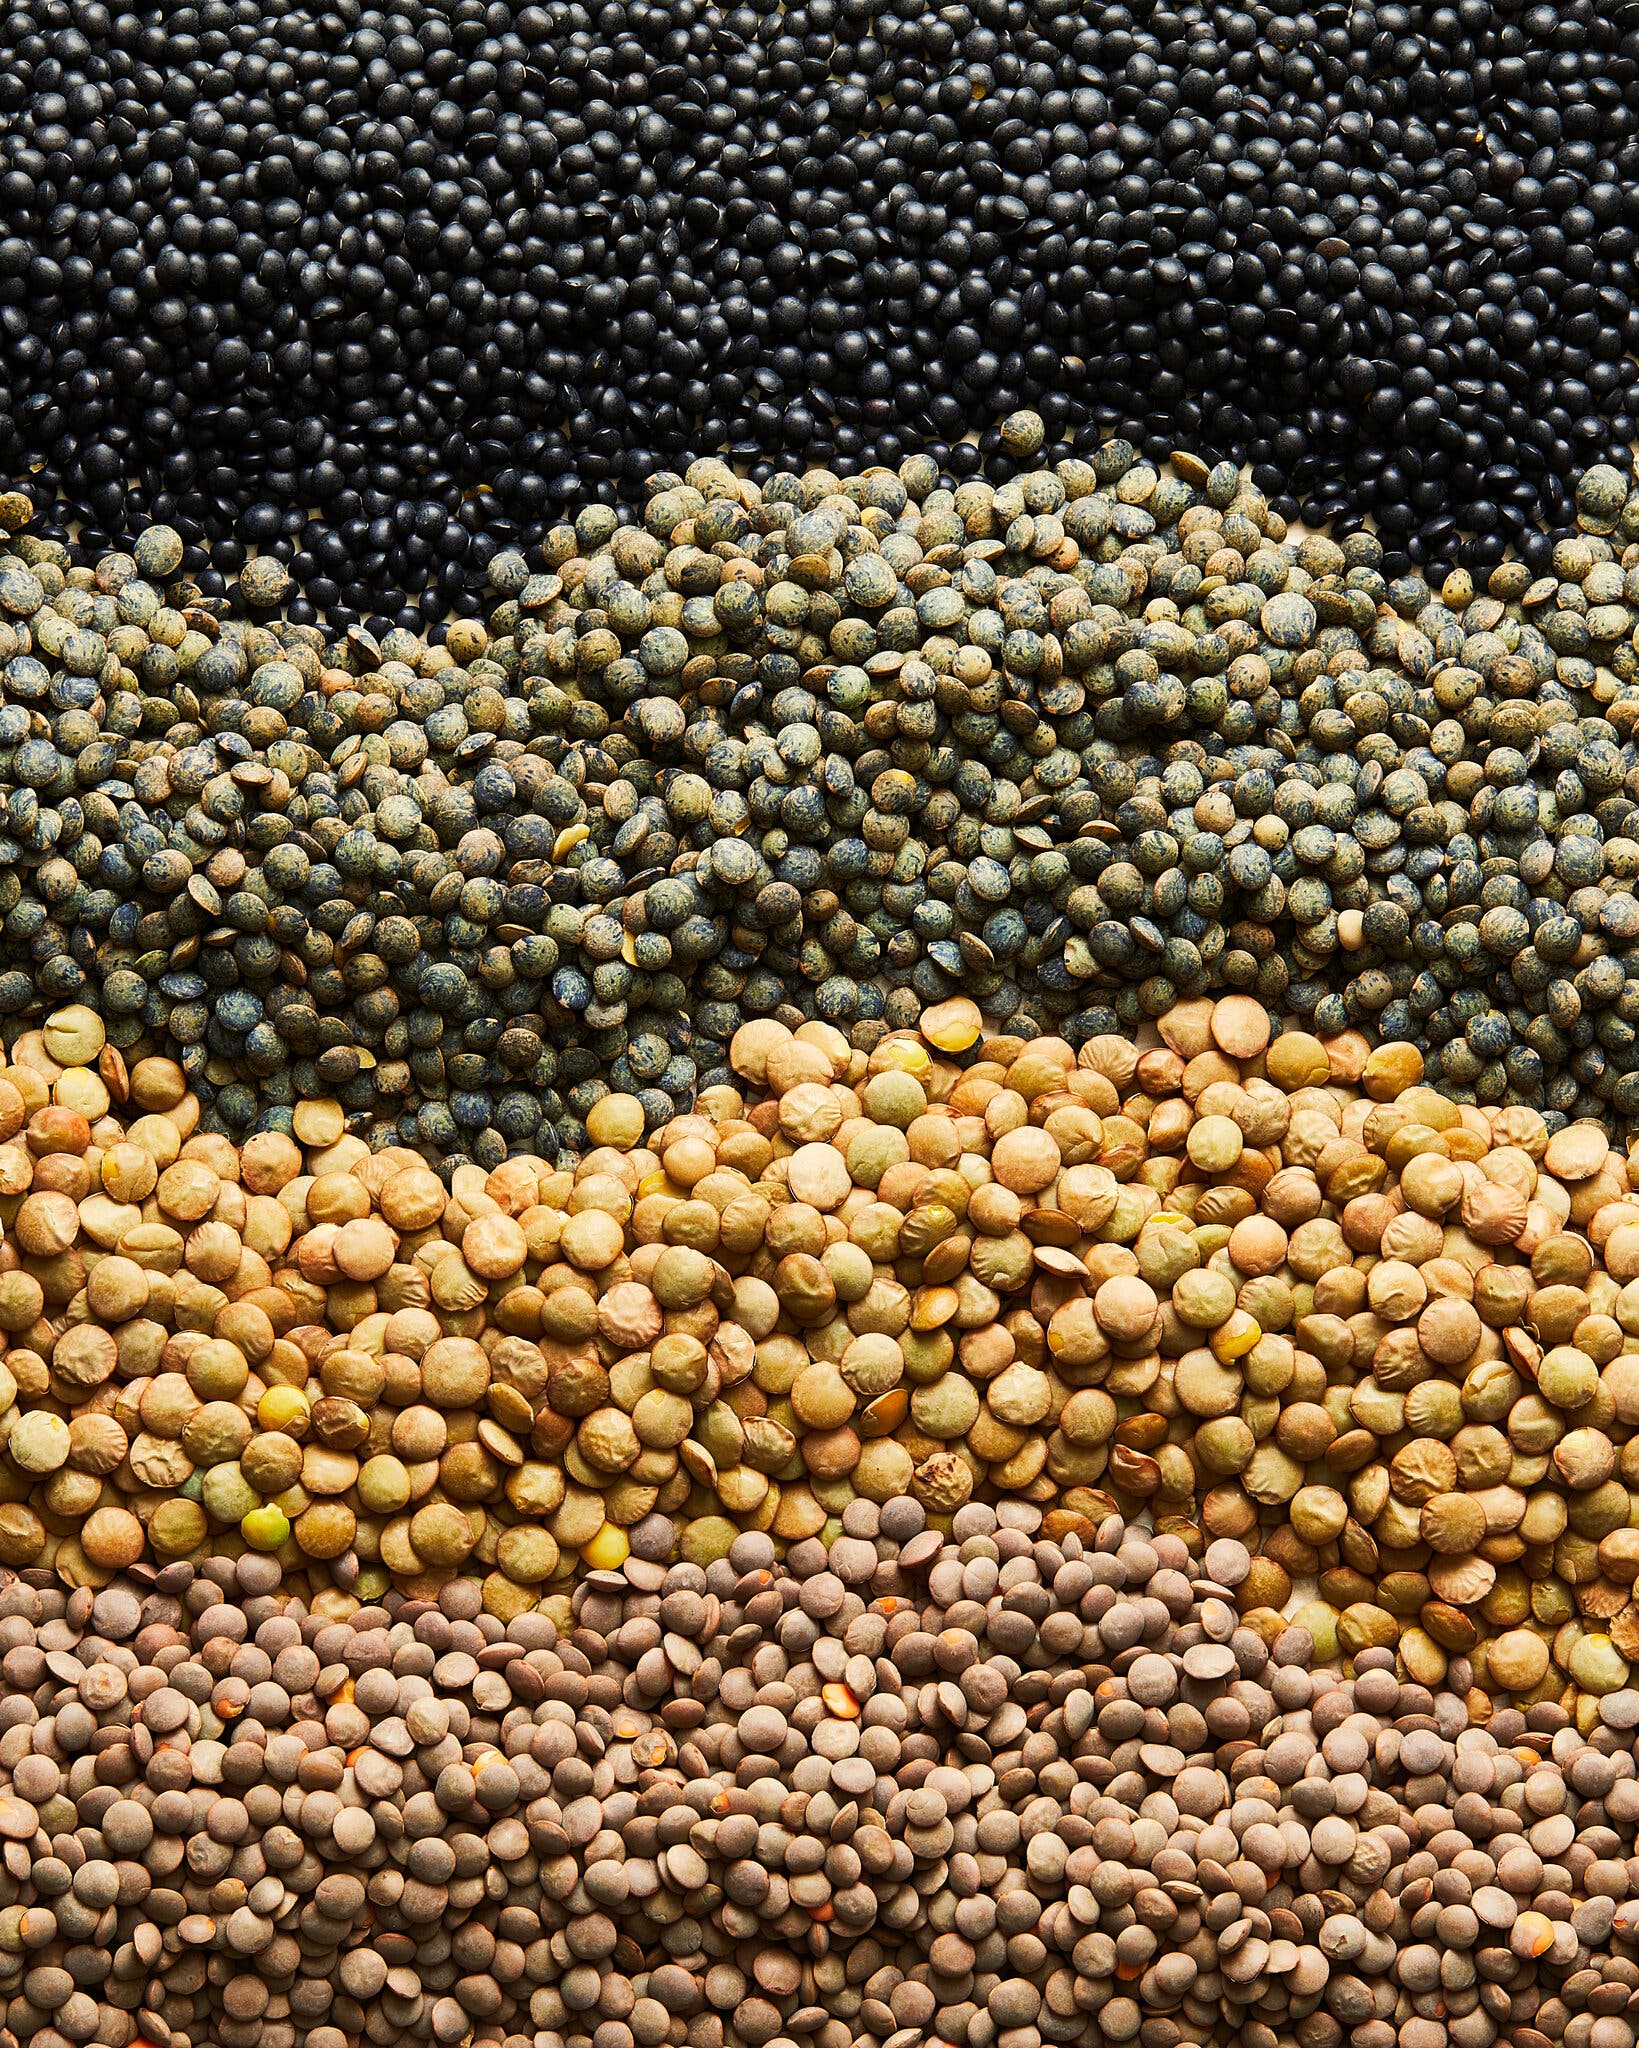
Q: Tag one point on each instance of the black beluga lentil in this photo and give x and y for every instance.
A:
(1078, 744)
(430, 274)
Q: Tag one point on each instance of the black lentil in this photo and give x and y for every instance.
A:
(304, 278)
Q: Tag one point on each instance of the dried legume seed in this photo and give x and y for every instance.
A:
(691, 1352)
(908, 1782)
(1179, 212)
(710, 769)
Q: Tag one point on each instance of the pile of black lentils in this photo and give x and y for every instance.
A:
(305, 277)
(1078, 745)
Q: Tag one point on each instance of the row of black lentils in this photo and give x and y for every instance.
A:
(359, 259)
(1077, 745)
(976, 1789)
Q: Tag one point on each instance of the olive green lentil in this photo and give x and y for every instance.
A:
(1077, 745)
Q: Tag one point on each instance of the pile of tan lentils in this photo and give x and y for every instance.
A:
(973, 1543)
(1260, 1287)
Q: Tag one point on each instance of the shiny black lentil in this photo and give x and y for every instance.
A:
(379, 290)
(1077, 745)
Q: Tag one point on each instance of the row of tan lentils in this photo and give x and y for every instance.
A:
(1263, 1287)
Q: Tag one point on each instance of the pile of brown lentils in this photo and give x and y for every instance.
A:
(980, 1786)
(970, 1543)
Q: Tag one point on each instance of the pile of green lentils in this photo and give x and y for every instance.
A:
(1079, 745)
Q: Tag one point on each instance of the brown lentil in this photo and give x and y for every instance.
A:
(980, 1784)
(1252, 1284)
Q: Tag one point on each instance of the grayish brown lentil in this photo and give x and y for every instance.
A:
(983, 1788)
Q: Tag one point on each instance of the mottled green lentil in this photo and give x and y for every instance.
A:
(1079, 745)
